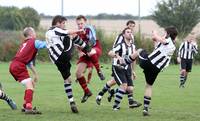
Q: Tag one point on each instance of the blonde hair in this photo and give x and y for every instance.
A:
(27, 30)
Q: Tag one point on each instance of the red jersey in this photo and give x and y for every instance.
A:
(26, 52)
(85, 36)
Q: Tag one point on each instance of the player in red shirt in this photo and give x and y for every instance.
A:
(88, 36)
(24, 55)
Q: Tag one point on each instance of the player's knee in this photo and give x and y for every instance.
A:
(124, 86)
(183, 72)
(78, 74)
(130, 89)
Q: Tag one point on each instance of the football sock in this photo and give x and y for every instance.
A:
(4, 96)
(104, 90)
(68, 91)
(130, 96)
(147, 101)
(28, 97)
(83, 84)
(118, 97)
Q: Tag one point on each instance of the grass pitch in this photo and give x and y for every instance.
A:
(169, 102)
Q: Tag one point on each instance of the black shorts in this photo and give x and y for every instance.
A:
(150, 70)
(122, 75)
(186, 64)
(63, 64)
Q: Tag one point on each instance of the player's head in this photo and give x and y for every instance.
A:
(81, 21)
(171, 32)
(29, 32)
(130, 24)
(127, 33)
(191, 37)
(59, 21)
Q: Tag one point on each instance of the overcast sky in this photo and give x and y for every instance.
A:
(85, 7)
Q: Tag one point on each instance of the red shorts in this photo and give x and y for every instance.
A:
(19, 71)
(86, 59)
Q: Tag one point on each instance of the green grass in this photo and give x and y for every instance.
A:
(169, 103)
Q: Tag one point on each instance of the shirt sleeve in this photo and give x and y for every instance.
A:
(116, 48)
(92, 34)
(195, 48)
(179, 50)
(61, 32)
(118, 40)
(40, 44)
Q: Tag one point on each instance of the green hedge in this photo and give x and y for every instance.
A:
(10, 40)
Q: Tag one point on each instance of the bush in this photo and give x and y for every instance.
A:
(12, 18)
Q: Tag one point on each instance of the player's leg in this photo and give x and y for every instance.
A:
(150, 76)
(69, 93)
(6, 98)
(82, 81)
(188, 69)
(147, 99)
(182, 72)
(105, 88)
(94, 57)
(89, 69)
(121, 80)
(64, 67)
(132, 102)
(28, 97)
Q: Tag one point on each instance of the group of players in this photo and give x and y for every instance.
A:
(60, 43)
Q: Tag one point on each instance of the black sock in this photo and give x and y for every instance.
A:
(68, 91)
(104, 90)
(130, 97)
(147, 101)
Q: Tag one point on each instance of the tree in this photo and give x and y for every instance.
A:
(11, 19)
(183, 14)
(31, 17)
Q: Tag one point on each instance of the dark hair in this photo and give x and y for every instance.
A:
(171, 32)
(130, 22)
(124, 30)
(81, 17)
(57, 19)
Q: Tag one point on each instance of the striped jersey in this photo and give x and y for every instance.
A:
(161, 55)
(187, 50)
(123, 50)
(58, 41)
(119, 39)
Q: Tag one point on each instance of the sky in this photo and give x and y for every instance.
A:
(86, 7)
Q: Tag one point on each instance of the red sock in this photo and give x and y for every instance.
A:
(94, 58)
(28, 97)
(89, 77)
(83, 84)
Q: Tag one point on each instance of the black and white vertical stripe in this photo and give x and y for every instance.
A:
(187, 50)
(54, 39)
(162, 53)
(123, 50)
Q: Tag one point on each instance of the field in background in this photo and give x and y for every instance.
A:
(115, 26)
(169, 103)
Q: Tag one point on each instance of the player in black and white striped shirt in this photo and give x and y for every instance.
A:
(132, 103)
(186, 53)
(60, 47)
(121, 65)
(153, 63)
